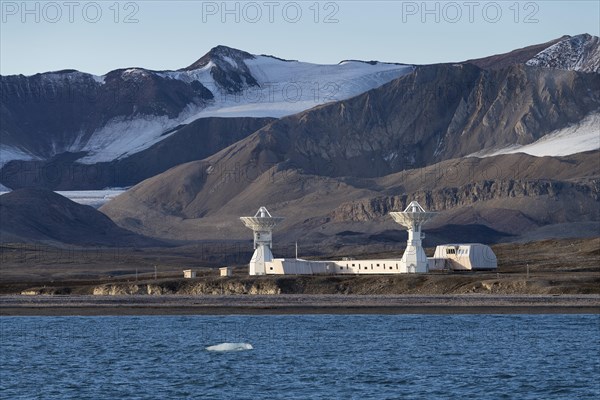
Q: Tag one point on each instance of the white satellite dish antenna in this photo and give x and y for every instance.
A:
(412, 218)
(262, 223)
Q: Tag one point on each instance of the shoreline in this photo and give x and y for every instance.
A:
(41, 305)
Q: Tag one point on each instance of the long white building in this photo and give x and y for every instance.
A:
(413, 260)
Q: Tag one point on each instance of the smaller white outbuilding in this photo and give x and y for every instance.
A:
(226, 271)
(188, 273)
(463, 257)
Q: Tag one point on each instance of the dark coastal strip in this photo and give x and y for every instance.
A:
(296, 304)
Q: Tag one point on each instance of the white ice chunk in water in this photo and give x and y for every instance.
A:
(230, 347)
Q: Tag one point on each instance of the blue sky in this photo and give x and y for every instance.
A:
(100, 36)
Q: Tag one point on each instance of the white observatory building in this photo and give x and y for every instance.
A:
(413, 260)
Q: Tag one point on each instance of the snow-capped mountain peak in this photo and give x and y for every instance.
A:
(222, 56)
(576, 53)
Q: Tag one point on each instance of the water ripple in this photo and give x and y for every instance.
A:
(301, 357)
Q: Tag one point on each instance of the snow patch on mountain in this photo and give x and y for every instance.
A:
(577, 53)
(135, 74)
(69, 76)
(98, 79)
(577, 138)
(125, 136)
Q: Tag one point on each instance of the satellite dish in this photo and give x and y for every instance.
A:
(262, 223)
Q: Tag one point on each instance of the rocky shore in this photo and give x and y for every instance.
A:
(297, 304)
(426, 284)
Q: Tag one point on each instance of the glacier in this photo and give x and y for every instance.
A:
(285, 88)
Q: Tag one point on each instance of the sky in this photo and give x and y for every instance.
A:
(99, 36)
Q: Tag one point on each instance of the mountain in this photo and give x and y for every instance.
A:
(571, 53)
(72, 131)
(309, 163)
(504, 151)
(109, 117)
(41, 216)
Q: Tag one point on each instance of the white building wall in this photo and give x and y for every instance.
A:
(472, 256)
(466, 257)
(261, 256)
(282, 266)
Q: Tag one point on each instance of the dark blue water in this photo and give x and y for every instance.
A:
(302, 357)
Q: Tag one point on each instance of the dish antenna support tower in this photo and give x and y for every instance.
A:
(412, 218)
(262, 224)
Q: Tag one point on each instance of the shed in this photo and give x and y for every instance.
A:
(226, 271)
(188, 273)
(464, 257)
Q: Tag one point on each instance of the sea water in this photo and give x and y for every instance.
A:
(301, 357)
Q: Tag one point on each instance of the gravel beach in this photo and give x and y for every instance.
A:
(15, 305)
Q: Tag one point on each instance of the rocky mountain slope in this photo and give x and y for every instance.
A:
(572, 53)
(38, 215)
(515, 57)
(436, 113)
(47, 114)
(497, 196)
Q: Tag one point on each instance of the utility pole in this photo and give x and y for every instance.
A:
(527, 270)
(296, 249)
(155, 272)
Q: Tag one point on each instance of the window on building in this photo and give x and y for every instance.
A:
(450, 250)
